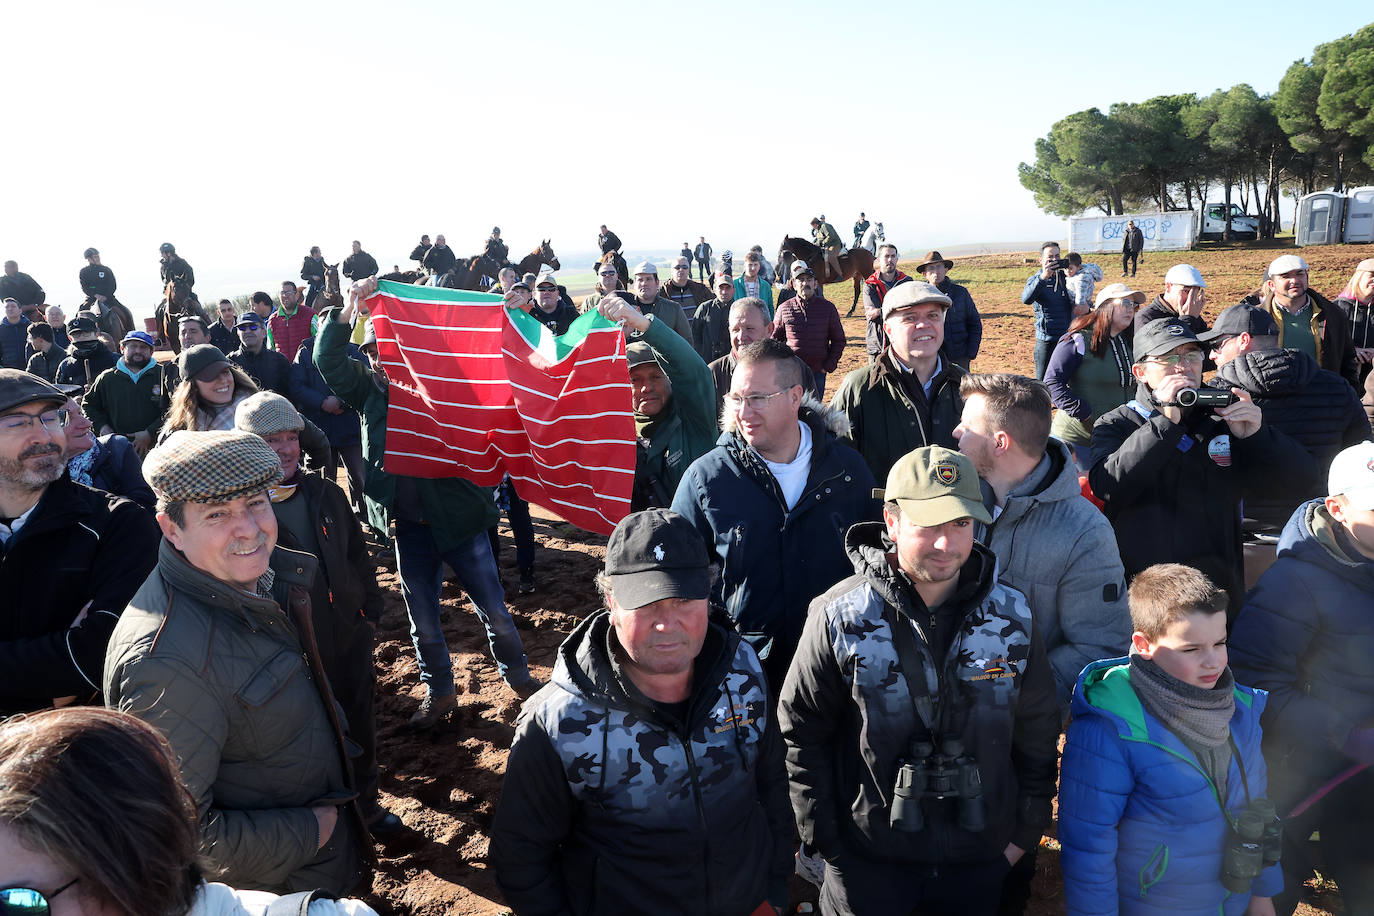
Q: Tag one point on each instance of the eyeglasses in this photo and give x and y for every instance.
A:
(25, 901)
(1173, 359)
(21, 422)
(756, 401)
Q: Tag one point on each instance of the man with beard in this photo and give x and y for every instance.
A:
(670, 390)
(70, 557)
(132, 398)
(87, 357)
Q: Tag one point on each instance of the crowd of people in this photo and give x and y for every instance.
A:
(840, 639)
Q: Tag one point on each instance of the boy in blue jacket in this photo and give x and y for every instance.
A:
(1163, 755)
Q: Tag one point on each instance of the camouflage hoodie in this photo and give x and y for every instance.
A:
(847, 716)
(612, 805)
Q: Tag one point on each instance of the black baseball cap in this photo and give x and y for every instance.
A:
(82, 323)
(1242, 319)
(656, 554)
(18, 388)
(1160, 336)
(250, 319)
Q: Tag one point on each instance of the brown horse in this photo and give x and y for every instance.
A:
(113, 317)
(177, 301)
(537, 258)
(331, 296)
(855, 264)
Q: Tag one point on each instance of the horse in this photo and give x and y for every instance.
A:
(113, 317)
(483, 271)
(856, 264)
(621, 268)
(332, 294)
(542, 255)
(177, 301)
(413, 277)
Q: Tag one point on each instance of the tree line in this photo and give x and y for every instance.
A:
(1316, 130)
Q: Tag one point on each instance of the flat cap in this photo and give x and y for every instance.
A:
(18, 388)
(1285, 264)
(211, 467)
(913, 293)
(267, 413)
(645, 267)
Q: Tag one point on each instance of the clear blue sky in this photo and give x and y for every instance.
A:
(246, 132)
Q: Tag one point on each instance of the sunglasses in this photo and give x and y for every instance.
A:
(25, 901)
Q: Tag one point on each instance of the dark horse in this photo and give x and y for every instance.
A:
(113, 317)
(177, 301)
(331, 296)
(542, 255)
(856, 264)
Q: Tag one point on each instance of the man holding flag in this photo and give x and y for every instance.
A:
(437, 521)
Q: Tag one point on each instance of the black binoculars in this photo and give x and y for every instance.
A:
(949, 774)
(1253, 843)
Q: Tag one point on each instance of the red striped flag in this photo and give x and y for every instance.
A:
(479, 391)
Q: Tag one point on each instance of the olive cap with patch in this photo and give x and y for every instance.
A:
(935, 485)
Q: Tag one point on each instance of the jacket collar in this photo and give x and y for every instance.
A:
(292, 567)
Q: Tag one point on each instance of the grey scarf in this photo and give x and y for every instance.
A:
(1200, 716)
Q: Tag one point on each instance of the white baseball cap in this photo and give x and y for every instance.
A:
(1185, 275)
(1352, 476)
(1285, 264)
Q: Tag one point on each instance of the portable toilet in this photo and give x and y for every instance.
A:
(1359, 215)
(1319, 218)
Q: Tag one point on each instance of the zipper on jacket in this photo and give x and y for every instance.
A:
(701, 816)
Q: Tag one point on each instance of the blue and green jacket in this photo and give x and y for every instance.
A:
(1140, 826)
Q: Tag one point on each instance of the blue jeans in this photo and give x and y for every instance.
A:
(820, 385)
(422, 569)
(1043, 349)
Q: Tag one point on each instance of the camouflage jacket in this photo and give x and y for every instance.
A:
(611, 805)
(848, 719)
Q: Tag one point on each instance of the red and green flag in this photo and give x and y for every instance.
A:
(480, 391)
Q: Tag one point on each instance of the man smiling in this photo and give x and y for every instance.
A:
(132, 398)
(217, 651)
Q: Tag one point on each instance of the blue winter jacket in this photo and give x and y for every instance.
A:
(1306, 635)
(309, 390)
(773, 560)
(1139, 824)
(963, 324)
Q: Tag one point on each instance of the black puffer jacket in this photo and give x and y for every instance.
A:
(1314, 406)
(80, 548)
(1172, 491)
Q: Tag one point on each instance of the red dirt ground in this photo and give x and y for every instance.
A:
(444, 783)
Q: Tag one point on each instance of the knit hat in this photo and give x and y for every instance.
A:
(214, 466)
(266, 413)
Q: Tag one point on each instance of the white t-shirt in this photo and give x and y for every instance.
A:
(221, 900)
(791, 477)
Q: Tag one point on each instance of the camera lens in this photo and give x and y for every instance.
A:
(1187, 397)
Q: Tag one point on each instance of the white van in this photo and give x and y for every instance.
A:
(1212, 223)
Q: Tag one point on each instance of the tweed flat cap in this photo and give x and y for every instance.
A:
(208, 467)
(265, 413)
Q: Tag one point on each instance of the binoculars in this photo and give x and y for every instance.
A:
(1253, 843)
(949, 774)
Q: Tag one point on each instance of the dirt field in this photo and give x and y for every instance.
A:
(444, 783)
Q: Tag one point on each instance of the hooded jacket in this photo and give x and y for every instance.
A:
(847, 714)
(1077, 590)
(1140, 823)
(456, 509)
(79, 549)
(1306, 635)
(612, 805)
(774, 561)
(685, 428)
(235, 684)
(1315, 407)
(1172, 491)
(887, 419)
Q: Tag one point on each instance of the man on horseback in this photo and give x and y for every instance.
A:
(829, 241)
(98, 283)
(860, 227)
(359, 264)
(418, 253)
(24, 290)
(312, 272)
(174, 267)
(496, 249)
(440, 259)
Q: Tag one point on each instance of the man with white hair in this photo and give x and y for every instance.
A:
(1184, 296)
(1307, 320)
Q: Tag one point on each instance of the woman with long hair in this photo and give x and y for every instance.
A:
(211, 388)
(1089, 372)
(1357, 301)
(95, 821)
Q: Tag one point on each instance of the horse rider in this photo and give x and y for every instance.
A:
(496, 249)
(860, 227)
(98, 283)
(174, 267)
(829, 241)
